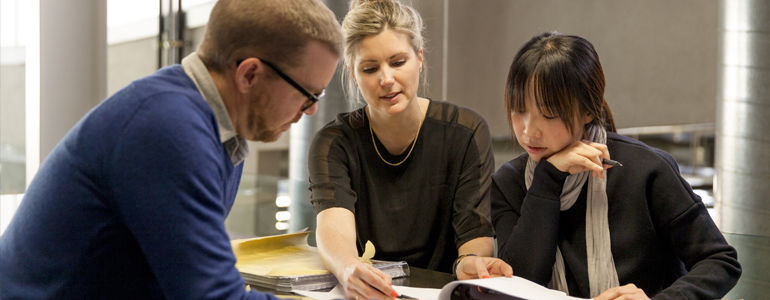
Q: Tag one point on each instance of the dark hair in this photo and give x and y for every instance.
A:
(567, 78)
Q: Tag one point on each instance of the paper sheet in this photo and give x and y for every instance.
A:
(338, 293)
(516, 286)
(368, 253)
(335, 293)
(282, 255)
(419, 293)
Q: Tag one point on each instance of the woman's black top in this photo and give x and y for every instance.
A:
(422, 210)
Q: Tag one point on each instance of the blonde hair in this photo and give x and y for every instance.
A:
(274, 30)
(371, 17)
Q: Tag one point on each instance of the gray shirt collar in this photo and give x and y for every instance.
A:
(235, 145)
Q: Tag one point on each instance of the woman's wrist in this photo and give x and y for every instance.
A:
(342, 267)
(547, 181)
(457, 264)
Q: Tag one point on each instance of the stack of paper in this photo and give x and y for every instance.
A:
(286, 262)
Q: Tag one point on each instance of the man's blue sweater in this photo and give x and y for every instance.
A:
(130, 204)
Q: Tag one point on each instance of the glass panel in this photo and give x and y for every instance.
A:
(12, 108)
(261, 207)
(127, 12)
(12, 101)
(188, 4)
(12, 125)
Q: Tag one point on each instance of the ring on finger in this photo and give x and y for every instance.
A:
(357, 296)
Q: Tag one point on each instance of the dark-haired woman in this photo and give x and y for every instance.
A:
(566, 220)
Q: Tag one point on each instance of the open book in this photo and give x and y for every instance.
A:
(286, 262)
(500, 288)
(493, 289)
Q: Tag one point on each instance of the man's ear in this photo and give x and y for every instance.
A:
(246, 74)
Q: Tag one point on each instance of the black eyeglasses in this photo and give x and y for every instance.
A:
(311, 98)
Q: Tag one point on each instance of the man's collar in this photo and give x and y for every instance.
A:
(194, 68)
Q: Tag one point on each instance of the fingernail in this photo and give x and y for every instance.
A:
(484, 277)
(509, 276)
(393, 294)
(390, 284)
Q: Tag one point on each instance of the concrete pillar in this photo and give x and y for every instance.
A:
(66, 71)
(742, 141)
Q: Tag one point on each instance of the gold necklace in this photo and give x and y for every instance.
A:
(410, 149)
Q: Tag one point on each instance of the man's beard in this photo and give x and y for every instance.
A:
(259, 109)
(261, 133)
(268, 136)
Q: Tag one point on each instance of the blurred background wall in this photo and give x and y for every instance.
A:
(659, 57)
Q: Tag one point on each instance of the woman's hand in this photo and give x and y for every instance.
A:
(581, 156)
(336, 238)
(626, 292)
(360, 280)
(475, 267)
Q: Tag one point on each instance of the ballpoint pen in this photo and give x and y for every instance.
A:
(611, 162)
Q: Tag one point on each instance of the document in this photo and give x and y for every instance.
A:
(514, 288)
(492, 288)
(280, 255)
(338, 293)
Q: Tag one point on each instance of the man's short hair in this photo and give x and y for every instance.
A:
(273, 30)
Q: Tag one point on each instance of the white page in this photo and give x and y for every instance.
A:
(516, 286)
(419, 293)
(338, 293)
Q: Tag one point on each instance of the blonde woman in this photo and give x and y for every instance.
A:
(407, 173)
